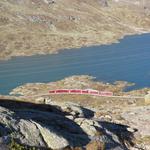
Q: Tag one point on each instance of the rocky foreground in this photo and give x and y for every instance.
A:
(64, 126)
(30, 27)
(68, 126)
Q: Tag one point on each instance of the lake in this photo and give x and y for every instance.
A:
(128, 60)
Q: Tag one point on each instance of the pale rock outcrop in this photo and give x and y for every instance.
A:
(139, 118)
(31, 133)
(89, 126)
(49, 1)
(51, 138)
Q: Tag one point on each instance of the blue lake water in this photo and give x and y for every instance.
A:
(128, 60)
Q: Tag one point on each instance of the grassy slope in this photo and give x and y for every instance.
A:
(34, 27)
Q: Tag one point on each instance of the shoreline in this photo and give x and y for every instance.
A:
(128, 87)
(130, 90)
(50, 31)
(57, 51)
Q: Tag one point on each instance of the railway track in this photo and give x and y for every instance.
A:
(90, 92)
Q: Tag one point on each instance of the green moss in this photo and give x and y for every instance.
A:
(15, 146)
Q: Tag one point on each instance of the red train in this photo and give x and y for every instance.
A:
(80, 91)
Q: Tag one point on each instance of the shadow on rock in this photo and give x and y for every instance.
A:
(77, 111)
(121, 135)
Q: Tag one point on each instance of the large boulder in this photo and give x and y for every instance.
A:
(52, 137)
(91, 127)
(37, 128)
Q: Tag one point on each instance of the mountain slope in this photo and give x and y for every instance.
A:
(30, 27)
